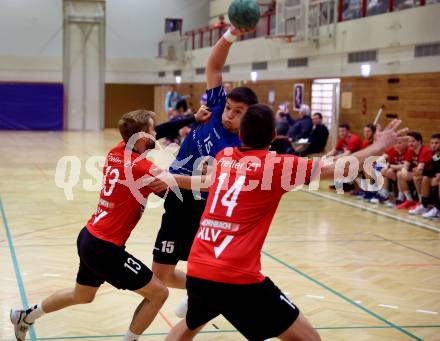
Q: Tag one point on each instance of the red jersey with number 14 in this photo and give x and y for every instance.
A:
(120, 204)
(239, 210)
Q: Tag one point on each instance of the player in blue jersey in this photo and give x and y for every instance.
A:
(181, 219)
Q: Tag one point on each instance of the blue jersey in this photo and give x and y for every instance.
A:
(205, 139)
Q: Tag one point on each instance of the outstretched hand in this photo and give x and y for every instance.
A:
(240, 31)
(388, 136)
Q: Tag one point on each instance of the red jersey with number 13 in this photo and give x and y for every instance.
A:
(118, 209)
(239, 210)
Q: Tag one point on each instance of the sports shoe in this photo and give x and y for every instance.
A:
(378, 199)
(182, 308)
(21, 327)
(432, 213)
(419, 209)
(357, 193)
(368, 195)
(406, 205)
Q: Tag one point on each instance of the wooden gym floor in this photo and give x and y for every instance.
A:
(356, 274)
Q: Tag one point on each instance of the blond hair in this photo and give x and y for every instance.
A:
(134, 122)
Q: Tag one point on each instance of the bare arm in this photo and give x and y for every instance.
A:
(384, 140)
(217, 58)
(216, 62)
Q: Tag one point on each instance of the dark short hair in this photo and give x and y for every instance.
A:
(416, 135)
(318, 114)
(436, 136)
(244, 95)
(134, 122)
(182, 104)
(257, 127)
(371, 126)
(344, 125)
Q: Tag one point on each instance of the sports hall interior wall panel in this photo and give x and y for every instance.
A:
(121, 98)
(413, 98)
(31, 106)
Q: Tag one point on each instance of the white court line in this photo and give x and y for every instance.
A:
(358, 302)
(317, 297)
(51, 275)
(388, 306)
(427, 312)
(375, 210)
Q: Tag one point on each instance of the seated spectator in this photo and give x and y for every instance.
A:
(394, 163)
(317, 139)
(369, 131)
(283, 119)
(415, 160)
(171, 98)
(347, 144)
(430, 181)
(303, 126)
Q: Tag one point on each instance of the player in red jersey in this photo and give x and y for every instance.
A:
(224, 270)
(415, 160)
(101, 243)
(369, 131)
(347, 144)
(394, 163)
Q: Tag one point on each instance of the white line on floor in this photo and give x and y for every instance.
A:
(51, 275)
(317, 297)
(427, 312)
(388, 306)
(374, 210)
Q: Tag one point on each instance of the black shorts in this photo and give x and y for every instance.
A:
(432, 168)
(101, 261)
(259, 311)
(180, 223)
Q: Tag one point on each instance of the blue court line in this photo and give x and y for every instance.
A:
(24, 300)
(345, 298)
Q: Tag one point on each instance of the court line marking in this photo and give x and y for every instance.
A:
(430, 312)
(374, 210)
(388, 306)
(408, 247)
(345, 298)
(20, 284)
(217, 332)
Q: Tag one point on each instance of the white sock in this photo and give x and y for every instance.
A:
(384, 192)
(131, 336)
(408, 196)
(34, 313)
(400, 197)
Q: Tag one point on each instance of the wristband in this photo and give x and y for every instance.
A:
(229, 37)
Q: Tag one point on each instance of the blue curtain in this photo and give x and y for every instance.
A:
(31, 106)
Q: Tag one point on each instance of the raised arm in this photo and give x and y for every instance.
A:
(218, 56)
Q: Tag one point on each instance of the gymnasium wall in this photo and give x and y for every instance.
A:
(413, 98)
(122, 98)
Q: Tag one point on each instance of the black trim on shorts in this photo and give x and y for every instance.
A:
(102, 261)
(179, 226)
(259, 311)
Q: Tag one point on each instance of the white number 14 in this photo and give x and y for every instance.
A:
(228, 200)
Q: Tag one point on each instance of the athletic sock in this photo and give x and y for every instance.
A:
(408, 196)
(34, 313)
(131, 336)
(400, 196)
(425, 202)
(384, 192)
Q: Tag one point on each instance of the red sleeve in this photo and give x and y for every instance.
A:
(365, 144)
(408, 155)
(297, 171)
(339, 144)
(425, 155)
(145, 170)
(354, 144)
(391, 155)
